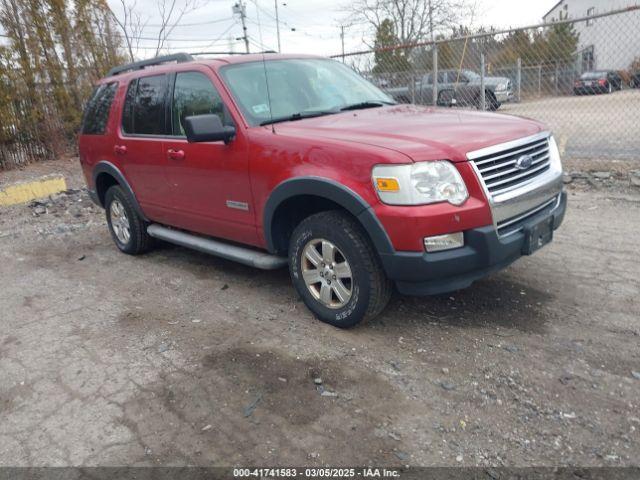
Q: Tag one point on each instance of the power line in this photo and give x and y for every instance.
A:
(219, 37)
(194, 24)
(299, 17)
(260, 45)
(154, 39)
(210, 44)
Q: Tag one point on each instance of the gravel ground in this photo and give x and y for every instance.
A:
(589, 127)
(177, 358)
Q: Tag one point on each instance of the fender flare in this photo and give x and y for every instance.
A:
(110, 169)
(330, 190)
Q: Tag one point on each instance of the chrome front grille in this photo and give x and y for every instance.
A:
(500, 173)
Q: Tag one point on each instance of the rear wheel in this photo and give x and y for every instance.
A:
(128, 229)
(336, 271)
(445, 98)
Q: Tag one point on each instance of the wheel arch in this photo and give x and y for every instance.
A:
(105, 175)
(314, 194)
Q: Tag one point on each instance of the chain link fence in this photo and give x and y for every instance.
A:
(581, 77)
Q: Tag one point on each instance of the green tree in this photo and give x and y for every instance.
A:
(558, 45)
(516, 45)
(387, 58)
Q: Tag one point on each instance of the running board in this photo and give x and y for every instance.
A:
(247, 256)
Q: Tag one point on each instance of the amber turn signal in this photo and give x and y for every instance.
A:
(387, 185)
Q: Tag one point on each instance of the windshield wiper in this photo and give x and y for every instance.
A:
(297, 116)
(363, 105)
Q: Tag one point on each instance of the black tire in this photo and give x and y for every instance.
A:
(491, 103)
(370, 288)
(445, 98)
(139, 240)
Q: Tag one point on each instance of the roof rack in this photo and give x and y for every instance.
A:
(232, 53)
(177, 57)
(218, 53)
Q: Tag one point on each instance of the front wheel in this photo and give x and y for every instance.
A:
(128, 229)
(336, 271)
(491, 104)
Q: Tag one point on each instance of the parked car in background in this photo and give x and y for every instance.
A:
(318, 170)
(597, 82)
(634, 82)
(456, 88)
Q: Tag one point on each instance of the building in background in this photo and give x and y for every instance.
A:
(596, 51)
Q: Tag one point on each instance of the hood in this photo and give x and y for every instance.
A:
(421, 133)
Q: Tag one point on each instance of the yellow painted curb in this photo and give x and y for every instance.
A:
(27, 191)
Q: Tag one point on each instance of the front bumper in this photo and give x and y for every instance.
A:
(484, 253)
(594, 90)
(504, 96)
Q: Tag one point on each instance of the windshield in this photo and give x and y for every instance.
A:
(298, 87)
(593, 75)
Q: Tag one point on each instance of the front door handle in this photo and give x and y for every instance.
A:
(120, 149)
(175, 154)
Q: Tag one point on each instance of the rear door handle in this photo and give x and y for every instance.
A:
(175, 154)
(120, 149)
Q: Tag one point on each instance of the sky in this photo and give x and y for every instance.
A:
(306, 26)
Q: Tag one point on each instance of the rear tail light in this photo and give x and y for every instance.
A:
(602, 82)
(577, 83)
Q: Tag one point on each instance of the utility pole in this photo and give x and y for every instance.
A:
(277, 24)
(342, 40)
(240, 9)
(431, 20)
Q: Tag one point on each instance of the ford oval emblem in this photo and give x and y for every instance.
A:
(524, 162)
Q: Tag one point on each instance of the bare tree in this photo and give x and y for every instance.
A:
(171, 15)
(134, 25)
(413, 20)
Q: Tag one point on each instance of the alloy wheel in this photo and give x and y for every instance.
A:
(120, 222)
(326, 273)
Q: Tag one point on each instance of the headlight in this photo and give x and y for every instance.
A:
(502, 86)
(420, 183)
(554, 154)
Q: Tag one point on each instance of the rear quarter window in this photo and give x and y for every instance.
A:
(96, 113)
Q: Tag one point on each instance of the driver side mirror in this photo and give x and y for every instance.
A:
(207, 128)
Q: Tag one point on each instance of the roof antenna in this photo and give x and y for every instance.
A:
(264, 65)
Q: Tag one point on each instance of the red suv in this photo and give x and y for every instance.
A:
(279, 159)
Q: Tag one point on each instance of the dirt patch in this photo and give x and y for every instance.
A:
(244, 399)
(178, 358)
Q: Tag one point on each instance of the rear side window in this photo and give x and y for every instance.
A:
(194, 94)
(144, 108)
(98, 107)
